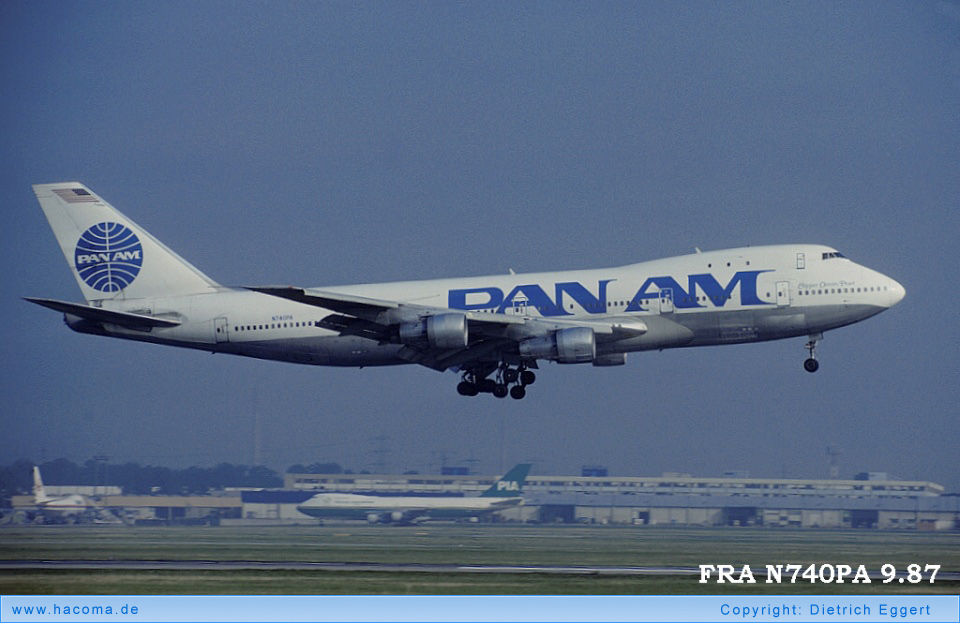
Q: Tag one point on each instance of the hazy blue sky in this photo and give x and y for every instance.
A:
(319, 144)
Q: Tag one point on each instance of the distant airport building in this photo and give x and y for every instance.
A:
(454, 471)
(87, 490)
(673, 499)
(594, 471)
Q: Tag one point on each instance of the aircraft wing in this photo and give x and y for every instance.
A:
(357, 306)
(489, 334)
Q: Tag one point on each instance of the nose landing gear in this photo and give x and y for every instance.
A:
(811, 364)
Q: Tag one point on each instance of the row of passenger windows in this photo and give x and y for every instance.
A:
(275, 325)
(842, 291)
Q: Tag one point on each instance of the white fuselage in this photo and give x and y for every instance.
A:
(68, 504)
(399, 508)
(719, 297)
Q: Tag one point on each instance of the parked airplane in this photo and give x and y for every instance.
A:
(69, 507)
(492, 330)
(502, 494)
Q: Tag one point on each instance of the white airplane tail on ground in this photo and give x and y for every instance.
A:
(39, 495)
(111, 256)
(69, 504)
(65, 509)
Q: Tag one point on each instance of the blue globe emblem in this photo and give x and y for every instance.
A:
(108, 257)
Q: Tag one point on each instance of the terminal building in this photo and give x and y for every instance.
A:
(671, 499)
(872, 501)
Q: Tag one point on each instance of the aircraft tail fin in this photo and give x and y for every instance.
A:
(110, 256)
(39, 495)
(510, 485)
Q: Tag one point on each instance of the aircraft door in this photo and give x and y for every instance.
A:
(666, 301)
(783, 294)
(220, 333)
(519, 307)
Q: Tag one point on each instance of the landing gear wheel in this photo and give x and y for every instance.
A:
(811, 364)
(466, 388)
(503, 381)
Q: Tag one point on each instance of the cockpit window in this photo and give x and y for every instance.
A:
(832, 254)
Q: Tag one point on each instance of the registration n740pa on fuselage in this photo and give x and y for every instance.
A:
(492, 330)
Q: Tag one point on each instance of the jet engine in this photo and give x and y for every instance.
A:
(611, 359)
(574, 345)
(373, 517)
(440, 331)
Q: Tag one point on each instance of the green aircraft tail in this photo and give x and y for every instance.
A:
(510, 485)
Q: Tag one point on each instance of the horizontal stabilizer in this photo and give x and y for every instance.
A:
(137, 322)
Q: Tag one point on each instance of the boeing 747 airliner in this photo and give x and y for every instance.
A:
(492, 330)
(504, 493)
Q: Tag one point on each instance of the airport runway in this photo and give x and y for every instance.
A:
(237, 565)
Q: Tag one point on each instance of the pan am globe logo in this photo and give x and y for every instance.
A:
(108, 257)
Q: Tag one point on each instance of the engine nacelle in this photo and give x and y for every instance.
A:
(373, 517)
(574, 345)
(440, 331)
(396, 516)
(610, 359)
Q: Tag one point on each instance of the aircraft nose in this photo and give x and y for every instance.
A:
(897, 292)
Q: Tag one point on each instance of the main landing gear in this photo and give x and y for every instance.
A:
(507, 380)
(811, 364)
